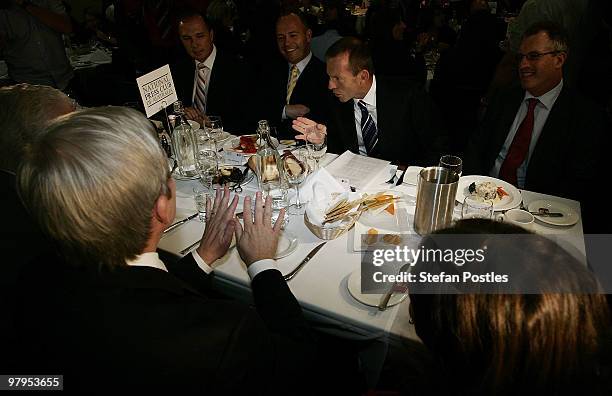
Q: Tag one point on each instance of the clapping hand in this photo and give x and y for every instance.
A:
(219, 227)
(309, 130)
(259, 239)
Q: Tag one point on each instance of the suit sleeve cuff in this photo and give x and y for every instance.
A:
(260, 266)
(284, 115)
(201, 263)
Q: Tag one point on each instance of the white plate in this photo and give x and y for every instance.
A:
(222, 137)
(383, 221)
(229, 144)
(194, 125)
(511, 201)
(354, 288)
(287, 244)
(570, 217)
(177, 176)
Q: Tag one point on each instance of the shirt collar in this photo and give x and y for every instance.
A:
(549, 98)
(210, 61)
(150, 259)
(301, 65)
(370, 97)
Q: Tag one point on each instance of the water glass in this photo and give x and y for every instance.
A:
(476, 209)
(207, 165)
(200, 194)
(452, 163)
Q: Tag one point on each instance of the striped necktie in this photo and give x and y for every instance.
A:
(368, 128)
(519, 148)
(200, 94)
(295, 72)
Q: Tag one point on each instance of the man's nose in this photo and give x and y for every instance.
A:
(331, 85)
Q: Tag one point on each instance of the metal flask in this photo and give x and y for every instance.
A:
(437, 188)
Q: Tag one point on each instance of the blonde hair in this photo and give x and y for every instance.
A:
(92, 180)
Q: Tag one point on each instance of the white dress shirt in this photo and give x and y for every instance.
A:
(151, 259)
(209, 63)
(541, 112)
(370, 101)
(301, 65)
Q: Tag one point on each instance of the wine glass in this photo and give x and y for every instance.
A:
(214, 126)
(318, 150)
(296, 169)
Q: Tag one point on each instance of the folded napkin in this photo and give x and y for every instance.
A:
(318, 190)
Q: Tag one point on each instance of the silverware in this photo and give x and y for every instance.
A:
(546, 213)
(178, 223)
(392, 180)
(189, 248)
(308, 257)
(400, 181)
(384, 301)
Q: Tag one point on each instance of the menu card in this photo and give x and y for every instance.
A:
(360, 171)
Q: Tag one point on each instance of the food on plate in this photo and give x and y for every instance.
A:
(229, 174)
(371, 202)
(270, 170)
(392, 239)
(487, 191)
(390, 209)
(372, 236)
(247, 144)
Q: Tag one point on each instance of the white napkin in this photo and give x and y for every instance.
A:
(324, 181)
(320, 188)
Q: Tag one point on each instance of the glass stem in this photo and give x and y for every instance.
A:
(298, 204)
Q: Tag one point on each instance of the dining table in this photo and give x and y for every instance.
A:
(322, 285)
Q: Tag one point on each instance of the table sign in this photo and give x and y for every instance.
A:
(157, 90)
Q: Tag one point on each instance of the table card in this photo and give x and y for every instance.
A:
(157, 90)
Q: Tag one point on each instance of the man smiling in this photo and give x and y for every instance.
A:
(543, 137)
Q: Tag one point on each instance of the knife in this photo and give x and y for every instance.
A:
(400, 181)
(547, 214)
(178, 223)
(309, 256)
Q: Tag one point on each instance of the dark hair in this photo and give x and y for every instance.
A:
(505, 343)
(186, 13)
(294, 11)
(360, 55)
(555, 33)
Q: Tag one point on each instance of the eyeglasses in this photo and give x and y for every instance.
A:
(534, 56)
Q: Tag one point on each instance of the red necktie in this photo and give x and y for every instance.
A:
(520, 145)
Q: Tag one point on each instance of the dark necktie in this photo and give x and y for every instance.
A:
(368, 128)
(520, 145)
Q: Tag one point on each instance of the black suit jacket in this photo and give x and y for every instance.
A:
(310, 90)
(410, 130)
(229, 88)
(566, 161)
(140, 328)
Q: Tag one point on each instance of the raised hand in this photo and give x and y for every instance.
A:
(309, 130)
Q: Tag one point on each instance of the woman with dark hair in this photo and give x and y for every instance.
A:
(549, 341)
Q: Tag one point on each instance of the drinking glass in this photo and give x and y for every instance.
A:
(452, 163)
(200, 194)
(207, 165)
(295, 177)
(214, 126)
(475, 209)
(318, 150)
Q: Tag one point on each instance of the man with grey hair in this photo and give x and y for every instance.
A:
(25, 110)
(99, 185)
(542, 136)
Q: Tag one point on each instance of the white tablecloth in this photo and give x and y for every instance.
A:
(321, 286)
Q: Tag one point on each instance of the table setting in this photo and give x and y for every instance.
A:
(322, 245)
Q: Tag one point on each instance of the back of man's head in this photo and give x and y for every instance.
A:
(360, 55)
(92, 180)
(25, 110)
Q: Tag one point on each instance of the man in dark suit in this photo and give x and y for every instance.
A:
(209, 82)
(388, 118)
(116, 315)
(25, 110)
(544, 137)
(296, 85)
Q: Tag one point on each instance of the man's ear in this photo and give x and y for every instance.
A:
(161, 209)
(308, 35)
(560, 59)
(364, 75)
